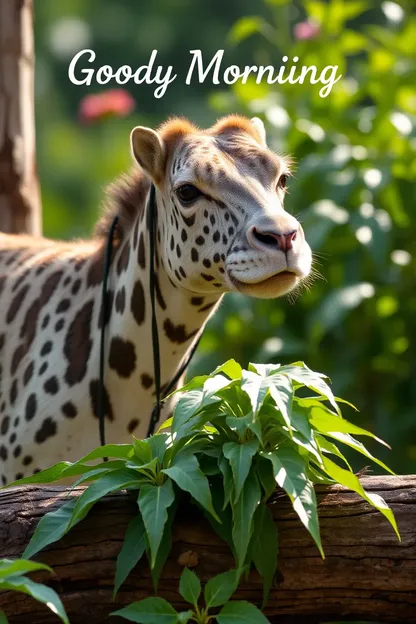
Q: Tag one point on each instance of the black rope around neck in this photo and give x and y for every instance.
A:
(155, 416)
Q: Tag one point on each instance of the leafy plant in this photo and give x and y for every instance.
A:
(234, 435)
(13, 577)
(217, 593)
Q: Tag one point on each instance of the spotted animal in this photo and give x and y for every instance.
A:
(221, 227)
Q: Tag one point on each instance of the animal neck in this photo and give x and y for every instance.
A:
(181, 314)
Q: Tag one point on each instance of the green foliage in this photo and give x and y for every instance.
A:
(13, 578)
(217, 593)
(235, 435)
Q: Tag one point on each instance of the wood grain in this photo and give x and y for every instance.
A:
(367, 575)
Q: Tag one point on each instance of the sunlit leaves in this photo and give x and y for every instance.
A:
(12, 578)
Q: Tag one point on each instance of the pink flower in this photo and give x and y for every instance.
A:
(112, 103)
(306, 30)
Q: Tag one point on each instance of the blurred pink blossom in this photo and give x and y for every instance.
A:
(306, 30)
(112, 103)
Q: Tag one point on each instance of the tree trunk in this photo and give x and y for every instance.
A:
(367, 575)
(19, 190)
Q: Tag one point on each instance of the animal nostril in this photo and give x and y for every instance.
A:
(265, 238)
(276, 240)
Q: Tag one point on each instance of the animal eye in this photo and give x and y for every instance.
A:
(188, 194)
(282, 181)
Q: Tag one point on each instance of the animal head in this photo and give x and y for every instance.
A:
(221, 192)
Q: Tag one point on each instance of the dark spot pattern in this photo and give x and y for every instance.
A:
(122, 356)
(141, 252)
(63, 306)
(147, 381)
(16, 304)
(69, 410)
(120, 301)
(4, 427)
(94, 394)
(78, 343)
(31, 407)
(133, 424)
(177, 333)
(47, 430)
(138, 303)
(51, 385)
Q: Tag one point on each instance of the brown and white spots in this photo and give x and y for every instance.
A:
(69, 410)
(78, 343)
(76, 287)
(51, 385)
(147, 381)
(141, 254)
(16, 304)
(28, 374)
(177, 333)
(94, 394)
(123, 260)
(63, 306)
(47, 430)
(133, 424)
(138, 302)
(122, 357)
(31, 407)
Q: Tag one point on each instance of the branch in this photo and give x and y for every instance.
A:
(19, 189)
(367, 574)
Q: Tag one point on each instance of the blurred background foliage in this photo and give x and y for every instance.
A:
(353, 188)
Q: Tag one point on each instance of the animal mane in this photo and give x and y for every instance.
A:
(126, 196)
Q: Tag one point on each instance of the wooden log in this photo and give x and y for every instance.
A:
(367, 575)
(20, 210)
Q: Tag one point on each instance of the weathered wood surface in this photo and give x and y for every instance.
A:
(367, 574)
(19, 190)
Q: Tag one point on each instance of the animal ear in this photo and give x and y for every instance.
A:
(149, 151)
(259, 126)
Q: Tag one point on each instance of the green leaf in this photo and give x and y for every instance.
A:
(231, 368)
(281, 390)
(186, 407)
(118, 451)
(142, 451)
(51, 527)
(159, 444)
(256, 388)
(3, 618)
(241, 612)
(328, 447)
(149, 611)
(185, 616)
(264, 471)
(110, 482)
(325, 421)
(17, 567)
(347, 439)
(134, 546)
(264, 547)
(290, 472)
(227, 479)
(39, 592)
(243, 512)
(190, 587)
(164, 548)
(154, 501)
(245, 27)
(314, 381)
(349, 480)
(240, 457)
(54, 473)
(219, 589)
(187, 475)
